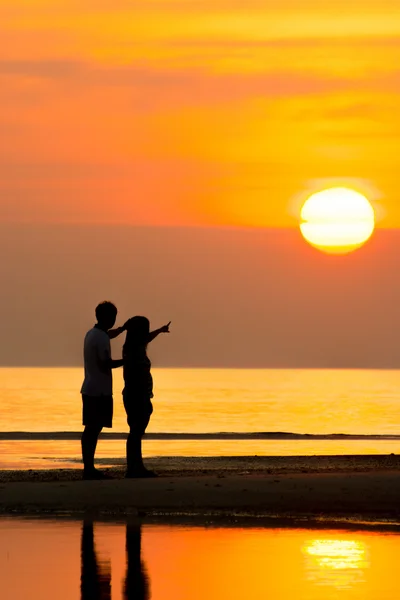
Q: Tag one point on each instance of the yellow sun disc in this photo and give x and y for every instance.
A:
(337, 220)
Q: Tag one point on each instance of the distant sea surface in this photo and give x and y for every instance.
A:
(245, 402)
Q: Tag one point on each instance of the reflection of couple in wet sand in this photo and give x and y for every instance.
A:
(97, 392)
(96, 576)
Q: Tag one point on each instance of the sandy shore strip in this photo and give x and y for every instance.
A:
(352, 487)
(261, 435)
(183, 466)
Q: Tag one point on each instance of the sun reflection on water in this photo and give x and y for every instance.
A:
(335, 562)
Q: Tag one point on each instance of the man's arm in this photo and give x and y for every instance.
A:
(114, 364)
(156, 332)
(109, 363)
(113, 333)
(105, 361)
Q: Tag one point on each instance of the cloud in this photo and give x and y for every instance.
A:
(172, 88)
(198, 80)
(146, 91)
(285, 42)
(389, 82)
(42, 68)
(18, 8)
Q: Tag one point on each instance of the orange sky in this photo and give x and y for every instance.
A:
(195, 111)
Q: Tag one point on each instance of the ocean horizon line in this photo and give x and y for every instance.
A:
(76, 435)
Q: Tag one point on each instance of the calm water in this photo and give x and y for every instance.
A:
(209, 400)
(69, 560)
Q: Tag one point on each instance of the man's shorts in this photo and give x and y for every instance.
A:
(97, 411)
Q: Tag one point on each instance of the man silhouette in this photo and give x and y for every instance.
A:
(97, 399)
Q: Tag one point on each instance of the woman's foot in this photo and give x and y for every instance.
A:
(140, 474)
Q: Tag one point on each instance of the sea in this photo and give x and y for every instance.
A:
(200, 412)
(205, 412)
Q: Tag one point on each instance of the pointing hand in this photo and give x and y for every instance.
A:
(165, 328)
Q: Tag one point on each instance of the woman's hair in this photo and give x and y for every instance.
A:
(137, 334)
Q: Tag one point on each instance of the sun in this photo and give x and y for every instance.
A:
(337, 220)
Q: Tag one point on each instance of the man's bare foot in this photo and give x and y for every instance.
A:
(140, 474)
(94, 474)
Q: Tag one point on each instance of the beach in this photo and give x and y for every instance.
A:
(229, 443)
(356, 488)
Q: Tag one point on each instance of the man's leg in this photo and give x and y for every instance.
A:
(89, 439)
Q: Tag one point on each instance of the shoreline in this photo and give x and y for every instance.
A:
(346, 489)
(194, 466)
(223, 435)
(215, 519)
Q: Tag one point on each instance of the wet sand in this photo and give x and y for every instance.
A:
(331, 487)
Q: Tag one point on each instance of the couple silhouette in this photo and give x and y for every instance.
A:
(96, 576)
(97, 387)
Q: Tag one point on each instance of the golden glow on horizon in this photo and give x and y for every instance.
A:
(337, 220)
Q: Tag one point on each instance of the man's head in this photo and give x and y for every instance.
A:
(106, 313)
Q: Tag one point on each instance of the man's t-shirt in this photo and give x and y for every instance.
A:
(96, 348)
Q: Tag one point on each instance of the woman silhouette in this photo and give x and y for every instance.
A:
(137, 580)
(138, 390)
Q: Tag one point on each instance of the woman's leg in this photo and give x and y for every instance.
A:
(137, 424)
(134, 460)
